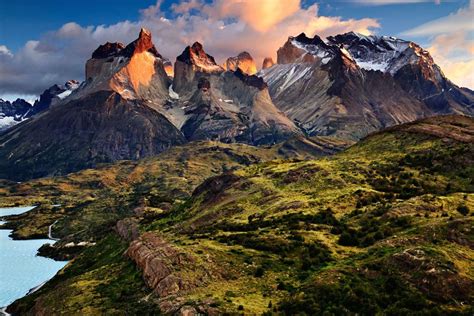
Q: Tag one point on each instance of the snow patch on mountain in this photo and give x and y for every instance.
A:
(315, 50)
(172, 93)
(7, 121)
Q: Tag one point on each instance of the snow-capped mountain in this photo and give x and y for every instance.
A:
(350, 85)
(12, 113)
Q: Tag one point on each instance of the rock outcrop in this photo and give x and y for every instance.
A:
(242, 61)
(171, 273)
(135, 71)
(267, 63)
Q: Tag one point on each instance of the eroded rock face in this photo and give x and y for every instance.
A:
(242, 61)
(128, 229)
(168, 270)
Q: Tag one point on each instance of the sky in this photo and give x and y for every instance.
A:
(47, 42)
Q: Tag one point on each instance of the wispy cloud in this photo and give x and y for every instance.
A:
(225, 27)
(462, 20)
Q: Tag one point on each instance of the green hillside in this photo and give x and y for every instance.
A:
(384, 227)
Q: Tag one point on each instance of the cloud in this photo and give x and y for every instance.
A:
(451, 44)
(225, 27)
(462, 20)
(5, 51)
(453, 53)
(186, 6)
(260, 15)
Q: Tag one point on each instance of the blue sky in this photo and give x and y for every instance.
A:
(45, 42)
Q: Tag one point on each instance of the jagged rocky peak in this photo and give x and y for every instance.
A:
(192, 64)
(141, 44)
(54, 95)
(134, 71)
(196, 56)
(107, 50)
(244, 61)
(305, 49)
(267, 63)
(383, 53)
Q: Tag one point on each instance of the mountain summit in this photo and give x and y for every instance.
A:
(135, 71)
(350, 85)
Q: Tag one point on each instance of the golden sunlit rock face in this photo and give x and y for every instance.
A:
(244, 61)
(136, 70)
(169, 68)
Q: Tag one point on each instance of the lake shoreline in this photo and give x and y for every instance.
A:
(48, 269)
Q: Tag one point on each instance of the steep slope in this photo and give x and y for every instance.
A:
(101, 127)
(351, 85)
(382, 228)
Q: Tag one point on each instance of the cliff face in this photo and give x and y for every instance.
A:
(226, 105)
(135, 71)
(242, 61)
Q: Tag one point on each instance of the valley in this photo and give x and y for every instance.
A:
(277, 234)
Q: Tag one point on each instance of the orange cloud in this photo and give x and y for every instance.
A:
(260, 15)
(259, 27)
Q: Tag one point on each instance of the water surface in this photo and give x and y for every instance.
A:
(20, 268)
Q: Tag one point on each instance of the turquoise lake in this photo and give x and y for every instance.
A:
(20, 268)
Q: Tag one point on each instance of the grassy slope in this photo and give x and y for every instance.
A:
(376, 228)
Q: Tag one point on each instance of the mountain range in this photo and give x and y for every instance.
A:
(130, 107)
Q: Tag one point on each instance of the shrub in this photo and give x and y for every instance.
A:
(259, 272)
(463, 209)
(348, 239)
